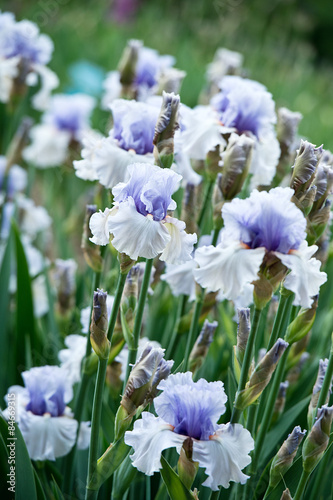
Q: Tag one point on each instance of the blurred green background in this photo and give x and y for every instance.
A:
(286, 43)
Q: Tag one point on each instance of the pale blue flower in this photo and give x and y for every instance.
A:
(134, 125)
(244, 105)
(264, 223)
(188, 409)
(139, 222)
(149, 66)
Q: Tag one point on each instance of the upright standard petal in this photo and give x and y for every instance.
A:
(224, 455)
(149, 437)
(135, 234)
(228, 269)
(305, 277)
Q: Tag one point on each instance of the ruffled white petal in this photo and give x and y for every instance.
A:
(265, 157)
(99, 227)
(305, 278)
(202, 133)
(49, 146)
(135, 234)
(180, 246)
(224, 455)
(180, 278)
(150, 436)
(40, 299)
(85, 168)
(46, 437)
(182, 163)
(110, 162)
(71, 358)
(228, 269)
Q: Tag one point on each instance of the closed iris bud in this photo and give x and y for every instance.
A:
(99, 325)
(187, 469)
(243, 331)
(302, 324)
(170, 80)
(287, 128)
(91, 252)
(261, 376)
(166, 126)
(141, 387)
(323, 364)
(285, 456)
(286, 495)
(318, 438)
(129, 303)
(305, 167)
(317, 222)
(201, 346)
(64, 277)
(236, 159)
(128, 62)
(295, 372)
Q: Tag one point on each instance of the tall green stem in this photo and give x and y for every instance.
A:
(327, 380)
(206, 203)
(180, 309)
(193, 328)
(269, 408)
(91, 492)
(301, 485)
(133, 349)
(236, 413)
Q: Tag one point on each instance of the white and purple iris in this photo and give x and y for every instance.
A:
(264, 223)
(149, 67)
(245, 106)
(139, 223)
(130, 140)
(66, 119)
(45, 421)
(25, 52)
(188, 409)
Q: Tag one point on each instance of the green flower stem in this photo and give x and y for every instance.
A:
(281, 321)
(327, 380)
(79, 403)
(133, 349)
(180, 310)
(215, 236)
(215, 495)
(206, 203)
(269, 408)
(319, 480)
(193, 328)
(246, 363)
(251, 418)
(301, 485)
(92, 493)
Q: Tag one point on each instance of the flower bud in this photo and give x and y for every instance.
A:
(317, 222)
(146, 374)
(271, 273)
(225, 62)
(302, 324)
(323, 364)
(261, 376)
(125, 262)
(170, 80)
(201, 346)
(129, 303)
(213, 163)
(317, 439)
(285, 456)
(127, 64)
(189, 212)
(286, 495)
(236, 159)
(166, 126)
(280, 401)
(243, 331)
(99, 325)
(187, 469)
(324, 183)
(305, 167)
(64, 277)
(90, 251)
(287, 127)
